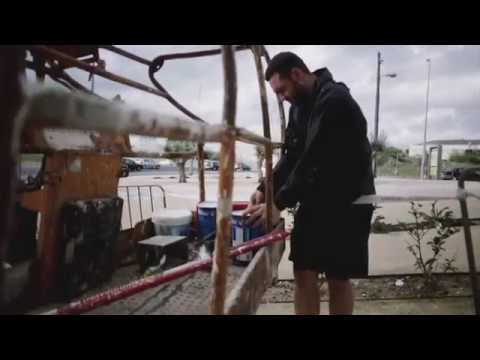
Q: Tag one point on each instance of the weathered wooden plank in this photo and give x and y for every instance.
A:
(247, 294)
(69, 177)
(225, 186)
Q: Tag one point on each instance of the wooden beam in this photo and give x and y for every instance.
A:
(225, 187)
(248, 292)
(55, 108)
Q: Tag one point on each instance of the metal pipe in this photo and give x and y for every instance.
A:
(194, 54)
(423, 165)
(164, 196)
(95, 70)
(61, 76)
(151, 197)
(71, 61)
(129, 208)
(201, 171)
(161, 59)
(225, 186)
(377, 111)
(140, 203)
(119, 51)
(257, 51)
(126, 54)
(112, 295)
(151, 74)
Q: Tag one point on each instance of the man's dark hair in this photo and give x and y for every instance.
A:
(283, 63)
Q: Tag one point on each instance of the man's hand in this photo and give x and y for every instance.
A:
(258, 215)
(257, 198)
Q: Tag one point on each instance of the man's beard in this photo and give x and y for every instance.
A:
(301, 96)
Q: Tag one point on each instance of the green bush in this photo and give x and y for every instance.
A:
(471, 158)
(441, 221)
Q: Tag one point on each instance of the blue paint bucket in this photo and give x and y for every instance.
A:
(207, 217)
(241, 233)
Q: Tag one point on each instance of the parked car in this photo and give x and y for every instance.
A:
(150, 164)
(457, 172)
(243, 167)
(132, 165)
(124, 169)
(212, 165)
(447, 175)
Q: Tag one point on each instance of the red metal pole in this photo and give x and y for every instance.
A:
(109, 296)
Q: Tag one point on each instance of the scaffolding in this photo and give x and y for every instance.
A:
(38, 107)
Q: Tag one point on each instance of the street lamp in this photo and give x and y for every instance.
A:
(424, 154)
(377, 108)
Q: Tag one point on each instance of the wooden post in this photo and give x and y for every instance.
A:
(469, 247)
(257, 51)
(201, 171)
(225, 188)
(11, 68)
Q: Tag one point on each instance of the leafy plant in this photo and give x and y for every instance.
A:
(441, 221)
(468, 158)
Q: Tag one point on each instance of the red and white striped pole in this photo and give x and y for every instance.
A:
(112, 295)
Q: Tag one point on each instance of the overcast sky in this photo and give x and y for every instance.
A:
(198, 84)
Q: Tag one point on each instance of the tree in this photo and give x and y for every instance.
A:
(465, 157)
(380, 144)
(260, 154)
(180, 152)
(211, 155)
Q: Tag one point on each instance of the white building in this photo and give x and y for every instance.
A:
(449, 147)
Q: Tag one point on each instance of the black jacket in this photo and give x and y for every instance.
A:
(326, 157)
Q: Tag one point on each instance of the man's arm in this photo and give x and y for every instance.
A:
(332, 165)
(287, 160)
(280, 174)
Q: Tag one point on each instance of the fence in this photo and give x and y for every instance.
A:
(133, 213)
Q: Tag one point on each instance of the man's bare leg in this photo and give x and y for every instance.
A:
(341, 297)
(307, 294)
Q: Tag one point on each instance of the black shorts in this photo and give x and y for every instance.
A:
(332, 240)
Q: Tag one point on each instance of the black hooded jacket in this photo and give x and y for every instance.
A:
(326, 157)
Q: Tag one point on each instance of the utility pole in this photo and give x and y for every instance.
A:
(377, 109)
(423, 165)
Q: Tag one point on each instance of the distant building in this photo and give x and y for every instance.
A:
(449, 147)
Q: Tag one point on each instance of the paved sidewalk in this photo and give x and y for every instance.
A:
(442, 306)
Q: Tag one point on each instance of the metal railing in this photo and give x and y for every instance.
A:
(138, 187)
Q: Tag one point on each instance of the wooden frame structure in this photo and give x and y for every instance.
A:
(37, 108)
(26, 113)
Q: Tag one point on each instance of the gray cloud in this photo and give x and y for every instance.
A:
(198, 84)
